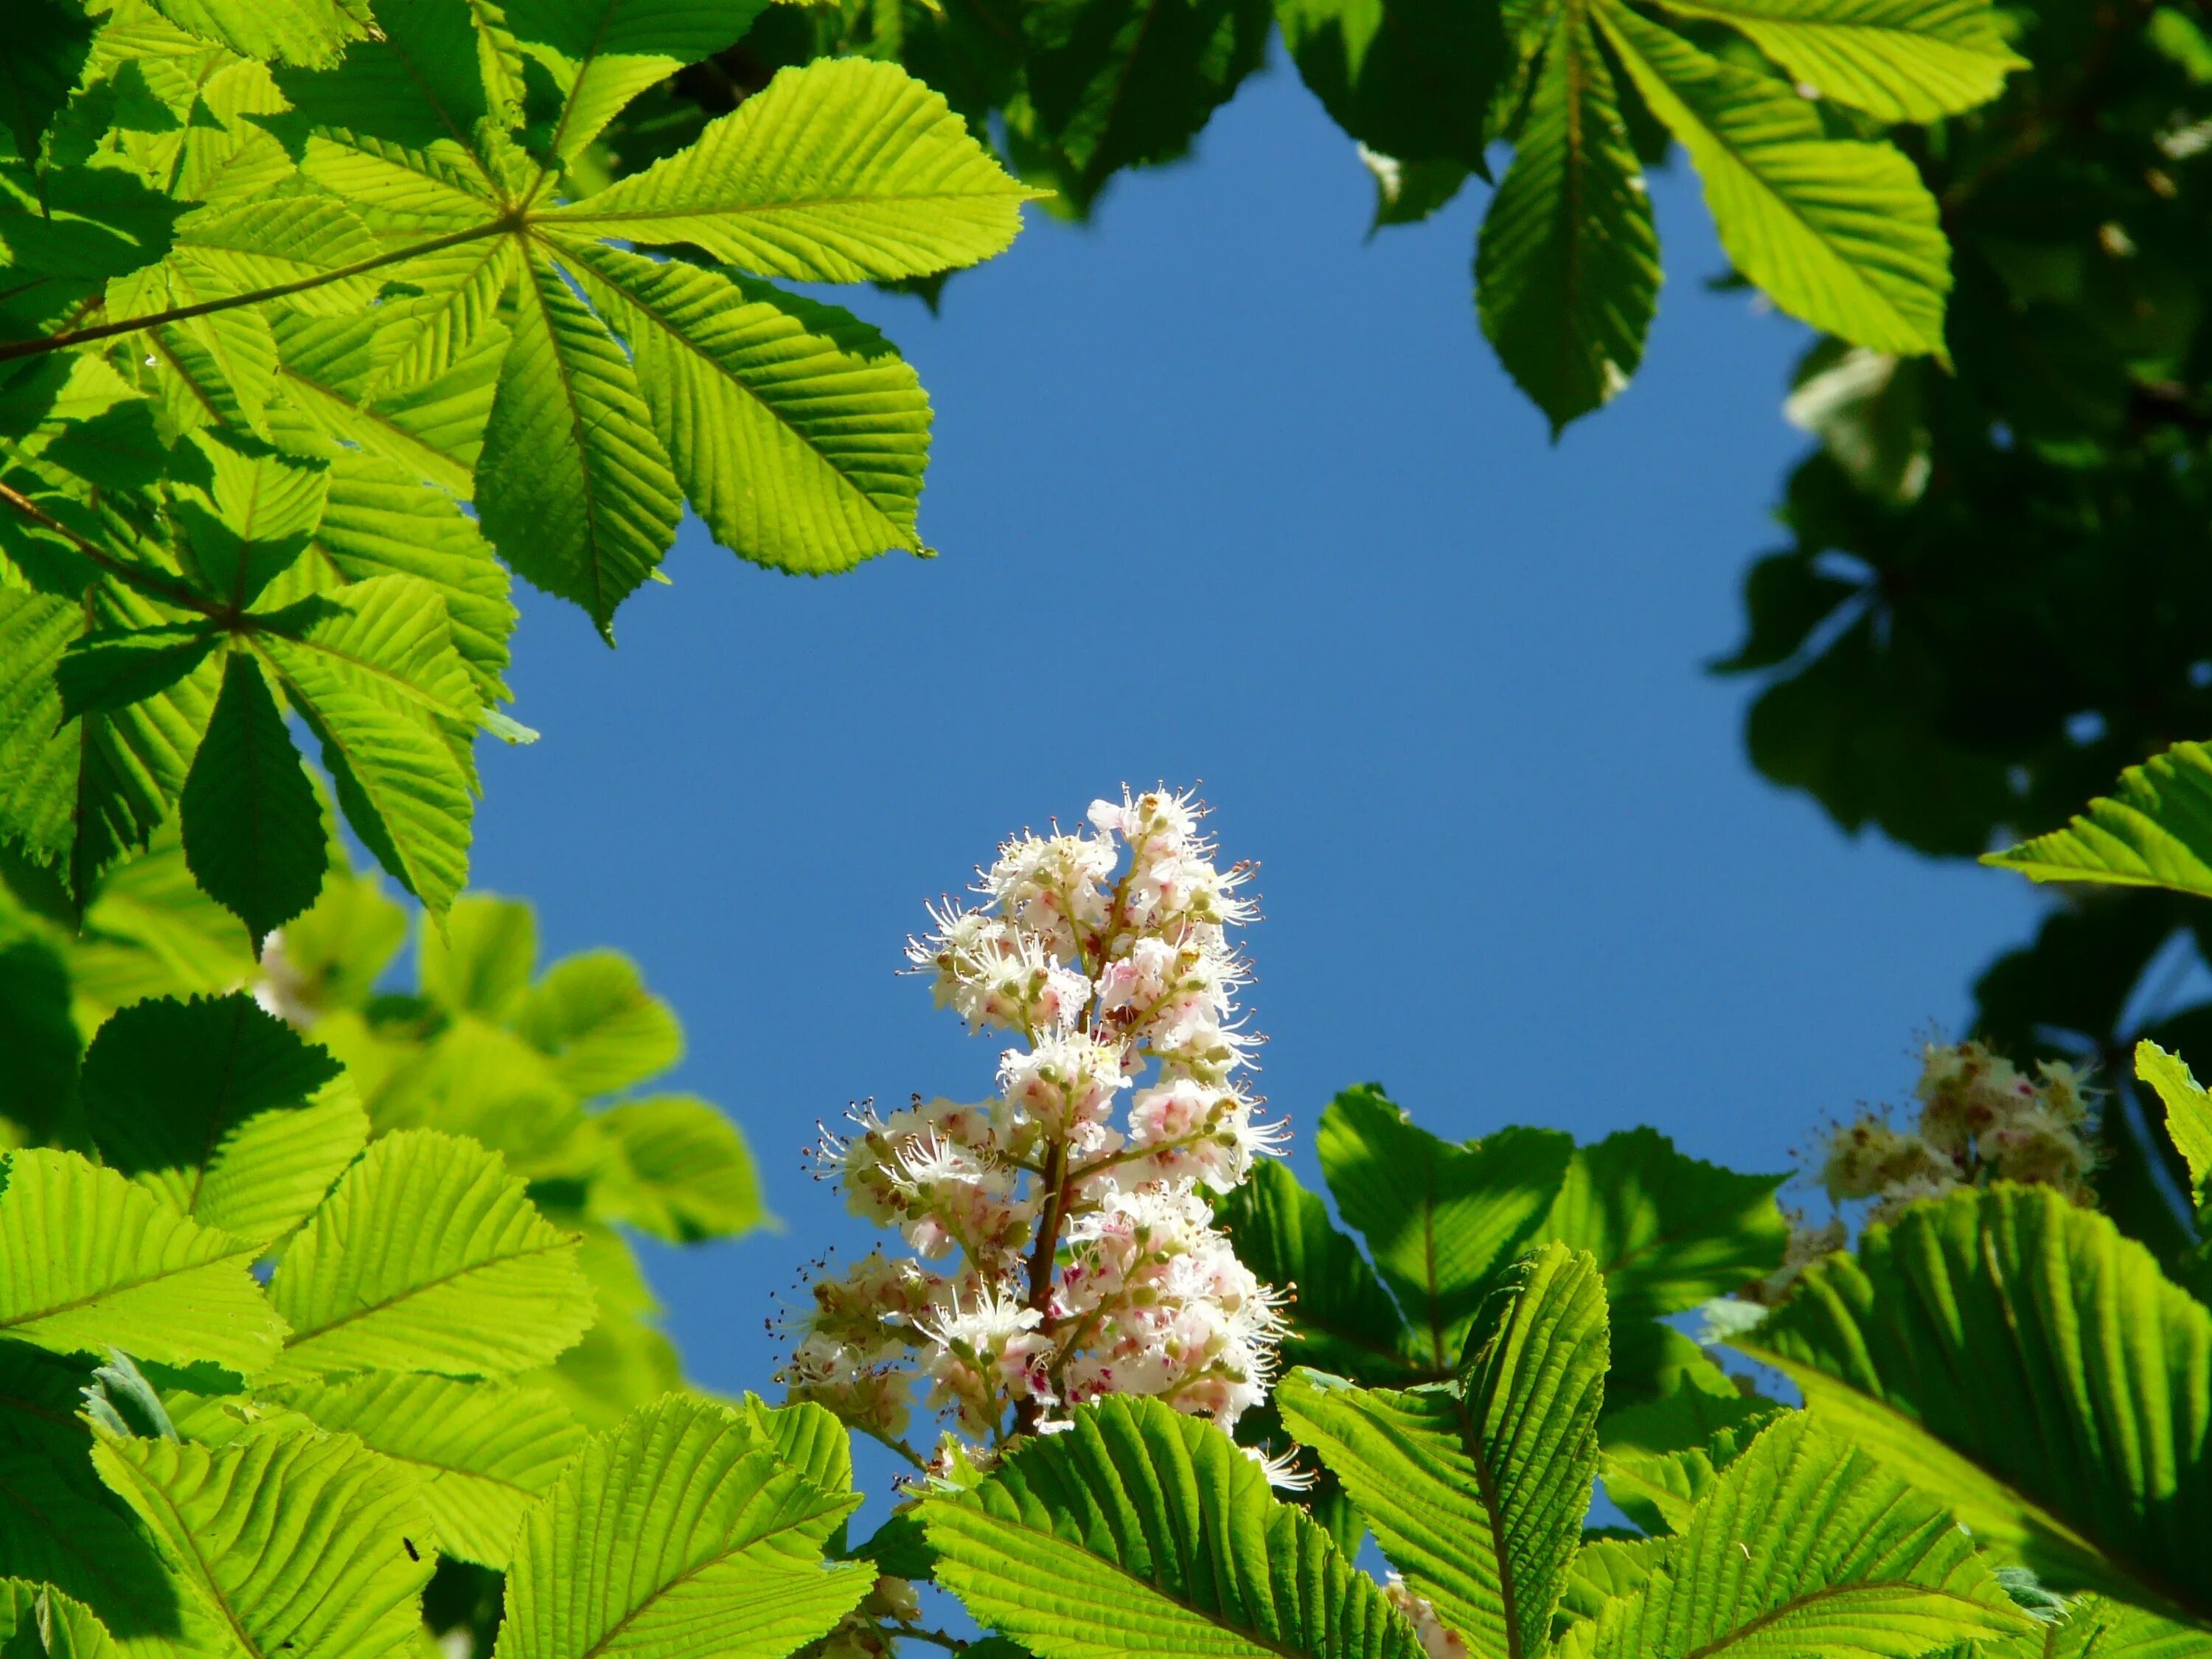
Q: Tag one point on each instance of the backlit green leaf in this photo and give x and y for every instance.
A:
(290, 1538)
(252, 828)
(2020, 1360)
(1567, 270)
(680, 1535)
(88, 1259)
(1902, 60)
(838, 172)
(222, 1109)
(1477, 1488)
(428, 1257)
(1140, 1530)
(2155, 830)
(1841, 234)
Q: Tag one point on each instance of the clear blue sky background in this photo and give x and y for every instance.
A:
(1225, 495)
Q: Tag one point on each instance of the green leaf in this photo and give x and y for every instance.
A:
(251, 517)
(798, 434)
(2187, 1112)
(1342, 1318)
(373, 670)
(82, 223)
(1804, 1545)
(428, 427)
(602, 53)
(39, 1038)
(483, 1452)
(297, 1539)
(296, 31)
(80, 795)
(39, 1622)
(1566, 272)
(89, 1260)
(1411, 78)
(380, 522)
(1140, 1530)
(1669, 1231)
(222, 1110)
(252, 828)
(684, 1173)
(1843, 235)
(2155, 830)
(573, 488)
(680, 1535)
(1902, 60)
(1477, 1489)
(306, 243)
(1118, 83)
(44, 57)
(2028, 1365)
(482, 963)
(1440, 1219)
(114, 667)
(58, 1525)
(417, 85)
(428, 1257)
(603, 1029)
(840, 171)
(1661, 1457)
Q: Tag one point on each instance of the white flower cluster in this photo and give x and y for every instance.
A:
(1066, 1249)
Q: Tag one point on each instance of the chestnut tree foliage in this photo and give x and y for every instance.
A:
(321, 1336)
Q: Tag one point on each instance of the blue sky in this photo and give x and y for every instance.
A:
(1224, 494)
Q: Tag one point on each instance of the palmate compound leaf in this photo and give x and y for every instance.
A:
(428, 1257)
(252, 828)
(1805, 1546)
(1476, 1489)
(844, 171)
(483, 1452)
(89, 1260)
(1566, 273)
(2027, 1365)
(39, 1622)
(2155, 830)
(1440, 1219)
(297, 1541)
(1901, 60)
(1141, 1530)
(797, 432)
(222, 1109)
(681, 1534)
(1843, 235)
